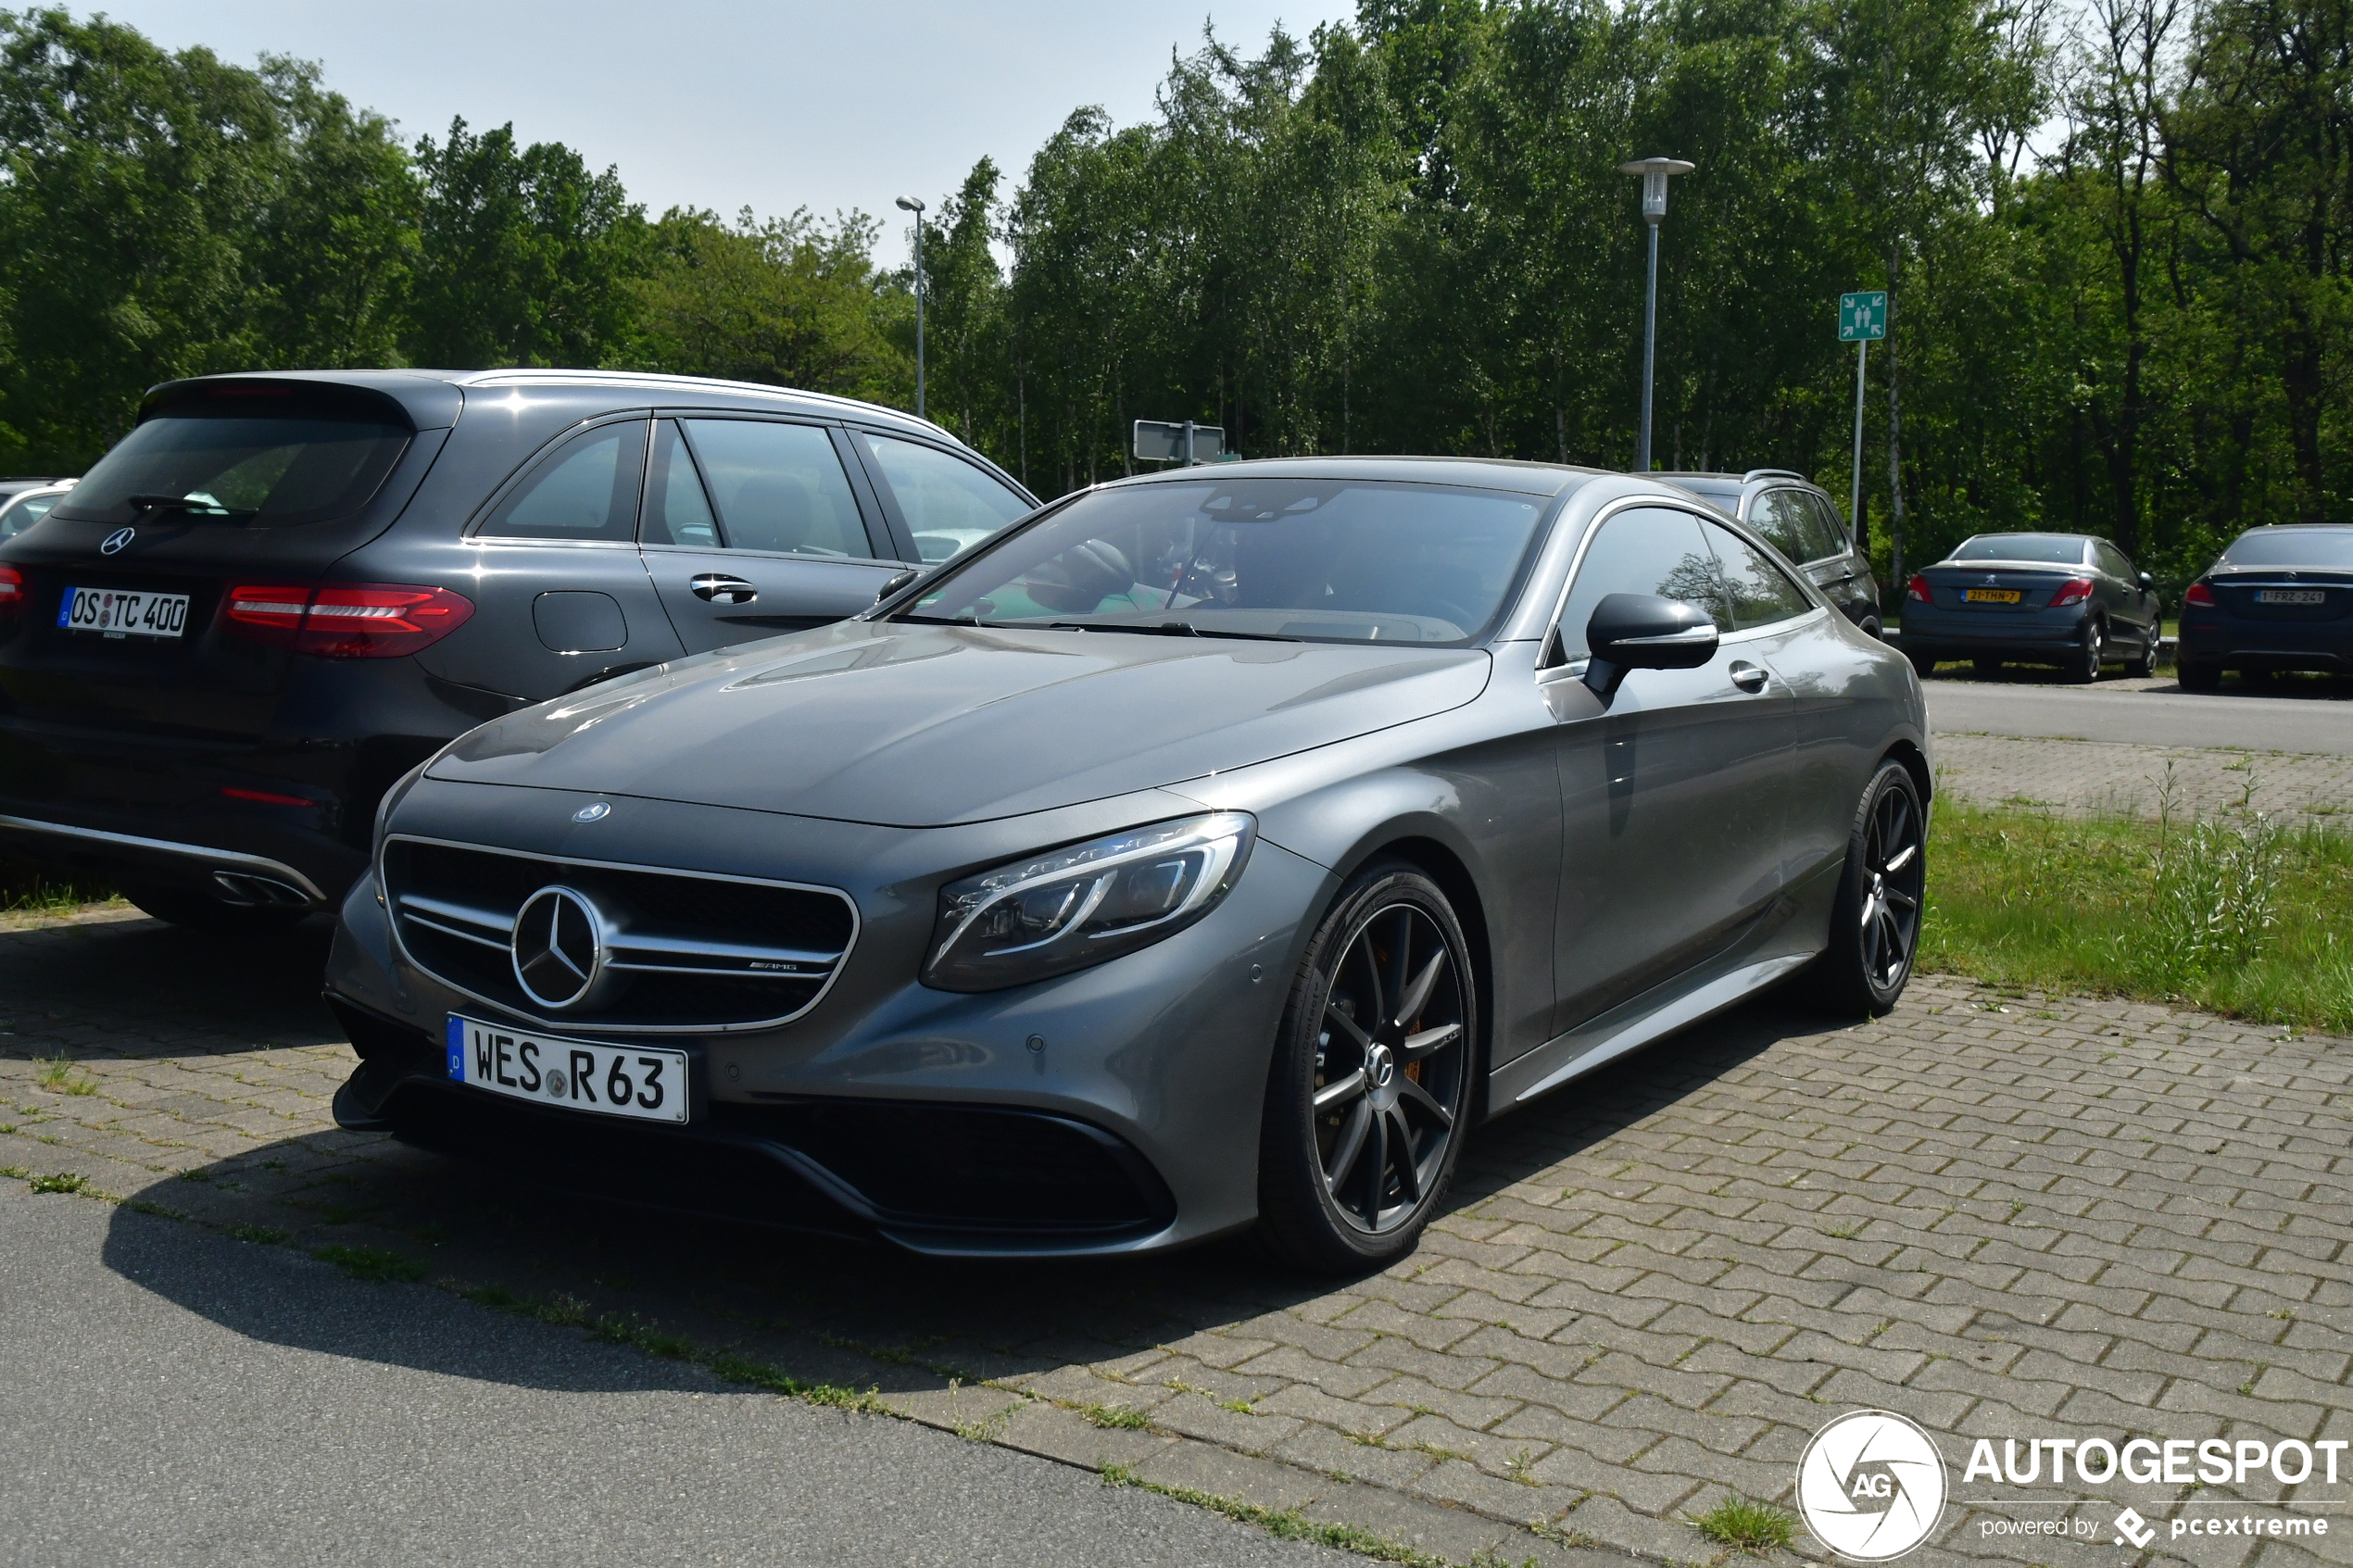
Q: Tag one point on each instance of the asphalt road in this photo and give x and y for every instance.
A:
(2153, 712)
(168, 1395)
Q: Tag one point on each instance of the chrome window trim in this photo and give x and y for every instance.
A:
(572, 1027)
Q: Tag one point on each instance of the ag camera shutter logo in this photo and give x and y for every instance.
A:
(1871, 1485)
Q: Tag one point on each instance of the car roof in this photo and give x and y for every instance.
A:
(425, 394)
(1704, 479)
(1485, 474)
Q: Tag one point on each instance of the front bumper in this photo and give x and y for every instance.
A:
(1110, 1111)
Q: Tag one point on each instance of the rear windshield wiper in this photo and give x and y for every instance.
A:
(188, 504)
(1169, 629)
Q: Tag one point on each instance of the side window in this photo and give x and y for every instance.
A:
(778, 488)
(1832, 531)
(1783, 517)
(950, 504)
(2112, 561)
(585, 489)
(1644, 550)
(1761, 593)
(677, 512)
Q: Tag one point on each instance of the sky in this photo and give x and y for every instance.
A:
(778, 104)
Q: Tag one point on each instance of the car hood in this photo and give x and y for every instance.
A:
(925, 726)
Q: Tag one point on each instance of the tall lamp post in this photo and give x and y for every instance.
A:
(1655, 172)
(911, 204)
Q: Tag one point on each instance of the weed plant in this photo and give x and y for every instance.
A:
(2233, 912)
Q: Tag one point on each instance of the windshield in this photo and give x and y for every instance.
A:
(264, 471)
(1315, 560)
(2292, 546)
(2059, 549)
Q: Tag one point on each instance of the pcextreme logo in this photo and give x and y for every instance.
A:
(1871, 1485)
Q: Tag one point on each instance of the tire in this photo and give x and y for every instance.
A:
(1873, 629)
(2145, 666)
(1923, 665)
(1987, 669)
(1346, 1186)
(2196, 675)
(178, 906)
(1875, 920)
(2090, 654)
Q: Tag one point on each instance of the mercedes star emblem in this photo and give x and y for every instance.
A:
(559, 947)
(595, 812)
(116, 540)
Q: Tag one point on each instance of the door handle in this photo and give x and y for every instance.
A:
(1748, 677)
(723, 590)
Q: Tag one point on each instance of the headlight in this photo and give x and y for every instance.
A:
(1066, 908)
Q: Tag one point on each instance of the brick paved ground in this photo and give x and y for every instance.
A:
(2084, 778)
(1999, 1215)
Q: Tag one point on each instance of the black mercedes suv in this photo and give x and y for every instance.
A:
(279, 593)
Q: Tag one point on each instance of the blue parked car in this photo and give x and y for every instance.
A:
(2067, 599)
(2279, 598)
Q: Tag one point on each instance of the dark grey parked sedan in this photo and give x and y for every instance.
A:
(1209, 851)
(1804, 524)
(2067, 599)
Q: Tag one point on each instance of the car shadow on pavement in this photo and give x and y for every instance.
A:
(143, 989)
(824, 1311)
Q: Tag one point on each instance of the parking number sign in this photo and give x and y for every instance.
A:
(1862, 317)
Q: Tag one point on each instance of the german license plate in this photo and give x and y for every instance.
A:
(641, 1082)
(122, 613)
(1991, 596)
(2290, 597)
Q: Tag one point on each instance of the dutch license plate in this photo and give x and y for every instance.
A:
(2290, 597)
(642, 1082)
(1991, 596)
(122, 613)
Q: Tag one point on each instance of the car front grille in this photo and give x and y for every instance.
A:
(681, 950)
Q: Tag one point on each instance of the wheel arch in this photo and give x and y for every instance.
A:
(1444, 865)
(1915, 763)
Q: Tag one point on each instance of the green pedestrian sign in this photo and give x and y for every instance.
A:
(1862, 317)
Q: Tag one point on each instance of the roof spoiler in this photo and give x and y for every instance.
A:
(1771, 474)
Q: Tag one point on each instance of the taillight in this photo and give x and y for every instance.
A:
(1916, 588)
(2199, 595)
(2074, 590)
(11, 589)
(346, 620)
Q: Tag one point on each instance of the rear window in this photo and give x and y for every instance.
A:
(2058, 549)
(264, 469)
(2292, 546)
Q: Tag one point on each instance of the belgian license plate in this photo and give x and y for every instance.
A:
(2290, 597)
(122, 613)
(642, 1082)
(1991, 596)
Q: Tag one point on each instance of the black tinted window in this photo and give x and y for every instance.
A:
(1827, 533)
(1759, 592)
(262, 470)
(1786, 516)
(2112, 561)
(2291, 545)
(778, 488)
(586, 489)
(2054, 549)
(677, 511)
(1647, 550)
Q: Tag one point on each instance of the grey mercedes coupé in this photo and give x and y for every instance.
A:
(1210, 850)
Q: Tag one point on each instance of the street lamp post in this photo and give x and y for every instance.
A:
(911, 204)
(1655, 172)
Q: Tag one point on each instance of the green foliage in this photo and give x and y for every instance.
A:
(63, 1181)
(373, 1264)
(1747, 1524)
(2232, 913)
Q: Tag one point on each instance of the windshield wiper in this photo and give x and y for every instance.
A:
(1169, 629)
(152, 504)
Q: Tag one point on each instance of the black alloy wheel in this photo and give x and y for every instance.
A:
(1372, 1077)
(1875, 924)
(2090, 654)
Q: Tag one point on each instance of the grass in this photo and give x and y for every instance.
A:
(64, 1181)
(2232, 914)
(371, 1262)
(1115, 1416)
(57, 1073)
(1747, 1524)
(1283, 1523)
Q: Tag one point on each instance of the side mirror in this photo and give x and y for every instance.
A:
(2147, 580)
(1644, 631)
(896, 584)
